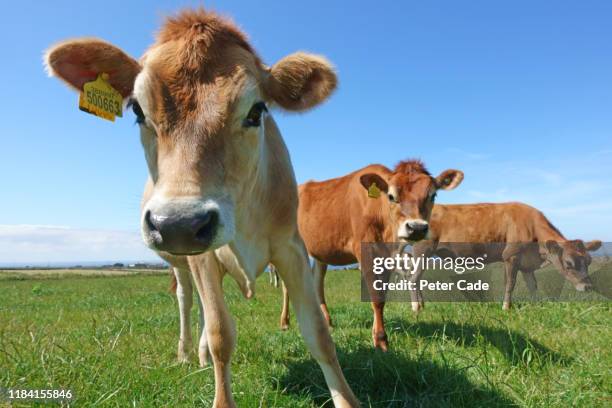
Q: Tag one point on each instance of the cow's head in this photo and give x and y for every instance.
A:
(411, 192)
(201, 97)
(572, 260)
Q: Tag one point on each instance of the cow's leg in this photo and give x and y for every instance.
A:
(184, 295)
(220, 329)
(292, 262)
(273, 276)
(416, 296)
(320, 269)
(203, 351)
(530, 281)
(284, 319)
(276, 278)
(511, 270)
(379, 336)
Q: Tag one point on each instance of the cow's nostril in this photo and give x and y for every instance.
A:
(418, 226)
(206, 226)
(149, 222)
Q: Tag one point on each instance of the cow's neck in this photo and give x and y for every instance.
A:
(257, 212)
(545, 231)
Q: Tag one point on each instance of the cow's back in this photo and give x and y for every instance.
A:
(484, 222)
(334, 214)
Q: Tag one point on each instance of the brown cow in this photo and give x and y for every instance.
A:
(335, 216)
(529, 239)
(217, 166)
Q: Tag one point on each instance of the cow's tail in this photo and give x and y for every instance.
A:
(173, 281)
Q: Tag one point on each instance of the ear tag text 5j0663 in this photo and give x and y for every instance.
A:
(373, 191)
(101, 99)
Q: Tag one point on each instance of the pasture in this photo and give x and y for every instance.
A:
(112, 340)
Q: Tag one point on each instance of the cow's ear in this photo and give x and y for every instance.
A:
(553, 247)
(449, 179)
(368, 179)
(300, 81)
(81, 60)
(592, 245)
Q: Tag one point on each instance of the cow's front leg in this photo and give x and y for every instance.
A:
(416, 295)
(284, 319)
(184, 295)
(292, 262)
(530, 281)
(203, 351)
(220, 329)
(377, 298)
(320, 269)
(511, 272)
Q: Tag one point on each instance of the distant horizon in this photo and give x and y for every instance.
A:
(72, 264)
(604, 251)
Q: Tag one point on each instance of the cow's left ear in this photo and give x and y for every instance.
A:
(300, 81)
(449, 179)
(81, 60)
(592, 245)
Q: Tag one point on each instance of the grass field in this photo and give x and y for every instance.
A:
(112, 340)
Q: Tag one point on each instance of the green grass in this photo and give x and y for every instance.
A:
(112, 340)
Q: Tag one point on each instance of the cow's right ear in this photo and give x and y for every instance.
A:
(300, 81)
(79, 61)
(592, 245)
(368, 179)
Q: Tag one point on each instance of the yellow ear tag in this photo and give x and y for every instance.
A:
(101, 99)
(373, 191)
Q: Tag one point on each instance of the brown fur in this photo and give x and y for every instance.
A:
(82, 60)
(336, 216)
(530, 238)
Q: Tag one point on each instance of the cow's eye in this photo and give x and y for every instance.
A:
(253, 119)
(392, 198)
(140, 116)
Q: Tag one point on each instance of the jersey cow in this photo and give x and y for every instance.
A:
(519, 235)
(222, 196)
(336, 216)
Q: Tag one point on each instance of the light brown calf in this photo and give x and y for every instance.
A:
(336, 216)
(528, 240)
(217, 166)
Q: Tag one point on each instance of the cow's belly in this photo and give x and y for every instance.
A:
(330, 249)
(493, 251)
(335, 257)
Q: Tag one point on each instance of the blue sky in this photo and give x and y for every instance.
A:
(516, 94)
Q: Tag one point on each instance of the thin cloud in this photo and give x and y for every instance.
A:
(56, 243)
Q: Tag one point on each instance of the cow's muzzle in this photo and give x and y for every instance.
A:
(585, 285)
(413, 230)
(180, 227)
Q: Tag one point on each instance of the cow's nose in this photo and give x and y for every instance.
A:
(418, 225)
(179, 232)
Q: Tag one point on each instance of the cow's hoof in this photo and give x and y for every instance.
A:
(184, 352)
(328, 320)
(380, 341)
(204, 357)
(183, 358)
(284, 324)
